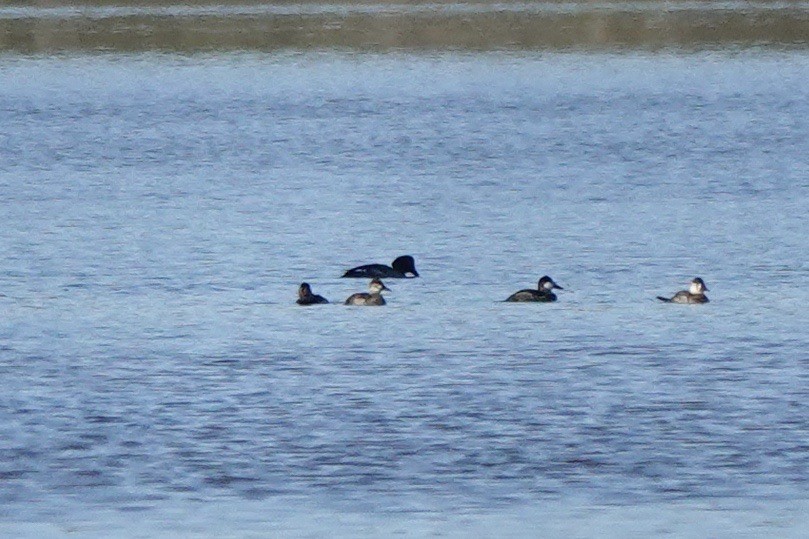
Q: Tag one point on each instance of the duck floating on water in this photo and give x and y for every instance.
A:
(373, 298)
(694, 294)
(403, 267)
(306, 297)
(542, 293)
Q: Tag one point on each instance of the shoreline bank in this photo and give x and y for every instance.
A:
(383, 26)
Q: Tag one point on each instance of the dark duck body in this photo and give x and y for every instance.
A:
(306, 297)
(373, 298)
(543, 292)
(694, 294)
(403, 267)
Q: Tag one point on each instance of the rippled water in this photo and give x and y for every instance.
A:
(160, 211)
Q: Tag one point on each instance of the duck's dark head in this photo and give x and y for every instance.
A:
(405, 264)
(304, 290)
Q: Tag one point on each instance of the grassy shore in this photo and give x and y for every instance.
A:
(57, 25)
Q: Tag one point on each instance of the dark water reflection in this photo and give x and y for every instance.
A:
(54, 26)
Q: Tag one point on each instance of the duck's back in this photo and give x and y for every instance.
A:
(371, 271)
(312, 299)
(357, 299)
(531, 295)
(364, 298)
(684, 296)
(375, 299)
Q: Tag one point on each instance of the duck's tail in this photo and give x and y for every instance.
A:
(661, 298)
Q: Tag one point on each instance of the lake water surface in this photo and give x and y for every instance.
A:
(159, 211)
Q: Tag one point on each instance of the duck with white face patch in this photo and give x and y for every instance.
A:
(694, 294)
(373, 298)
(543, 293)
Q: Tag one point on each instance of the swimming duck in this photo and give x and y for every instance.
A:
(399, 269)
(694, 294)
(374, 298)
(306, 297)
(542, 293)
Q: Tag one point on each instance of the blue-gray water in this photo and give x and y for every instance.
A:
(159, 211)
